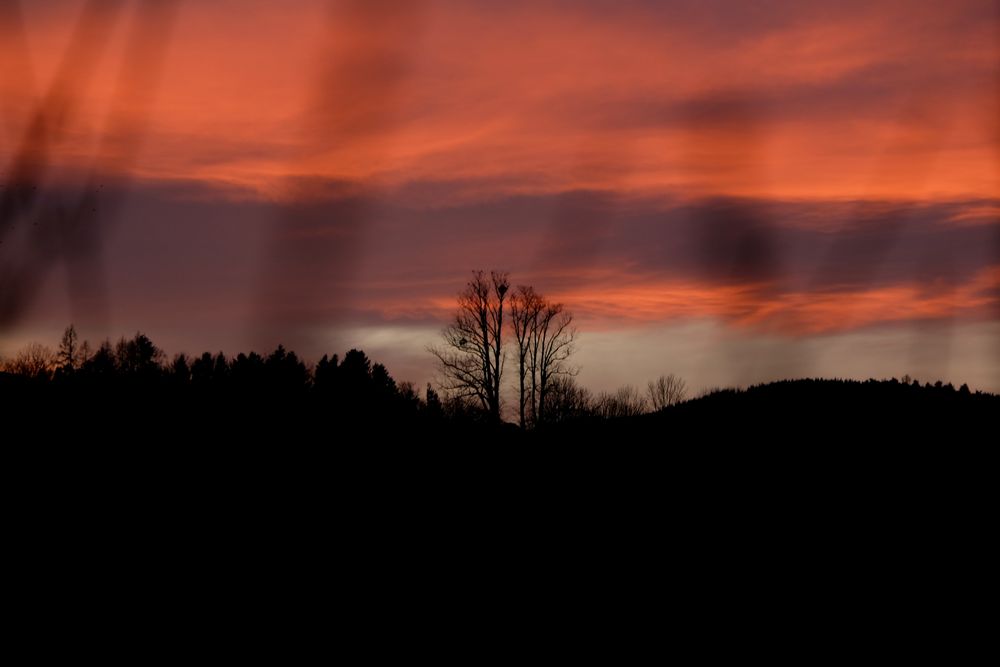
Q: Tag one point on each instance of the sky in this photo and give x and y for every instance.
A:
(732, 191)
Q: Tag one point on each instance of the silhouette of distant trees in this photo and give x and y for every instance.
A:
(138, 357)
(626, 401)
(278, 392)
(567, 401)
(130, 390)
(34, 361)
(102, 364)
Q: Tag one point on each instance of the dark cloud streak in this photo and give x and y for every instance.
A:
(54, 225)
(356, 97)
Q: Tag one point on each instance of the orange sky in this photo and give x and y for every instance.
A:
(875, 100)
(812, 114)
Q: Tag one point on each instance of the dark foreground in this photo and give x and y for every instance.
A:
(835, 483)
(280, 416)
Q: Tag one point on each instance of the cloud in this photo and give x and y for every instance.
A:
(364, 256)
(883, 99)
(780, 168)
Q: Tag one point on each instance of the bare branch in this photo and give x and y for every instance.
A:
(666, 391)
(472, 358)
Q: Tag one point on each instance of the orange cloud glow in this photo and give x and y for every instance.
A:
(754, 308)
(785, 167)
(880, 101)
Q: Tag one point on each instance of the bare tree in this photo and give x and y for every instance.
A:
(85, 353)
(525, 307)
(472, 357)
(554, 343)
(68, 356)
(627, 401)
(544, 337)
(33, 361)
(665, 391)
(565, 400)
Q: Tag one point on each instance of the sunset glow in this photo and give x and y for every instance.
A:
(293, 170)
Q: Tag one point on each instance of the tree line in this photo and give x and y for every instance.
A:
(541, 338)
(493, 323)
(135, 372)
(132, 386)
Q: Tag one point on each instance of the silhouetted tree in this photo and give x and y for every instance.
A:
(382, 382)
(433, 402)
(356, 369)
(665, 391)
(101, 365)
(544, 339)
(408, 398)
(626, 401)
(201, 371)
(85, 353)
(325, 374)
(220, 371)
(554, 341)
(472, 358)
(247, 372)
(180, 370)
(68, 355)
(566, 401)
(525, 307)
(285, 372)
(138, 357)
(34, 361)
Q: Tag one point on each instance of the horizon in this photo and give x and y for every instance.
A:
(616, 381)
(734, 194)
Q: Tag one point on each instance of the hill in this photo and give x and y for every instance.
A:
(815, 411)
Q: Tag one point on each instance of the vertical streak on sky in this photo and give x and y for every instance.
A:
(22, 271)
(929, 343)
(996, 152)
(15, 63)
(570, 231)
(89, 219)
(68, 224)
(733, 239)
(355, 100)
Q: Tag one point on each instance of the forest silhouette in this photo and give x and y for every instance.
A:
(130, 391)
